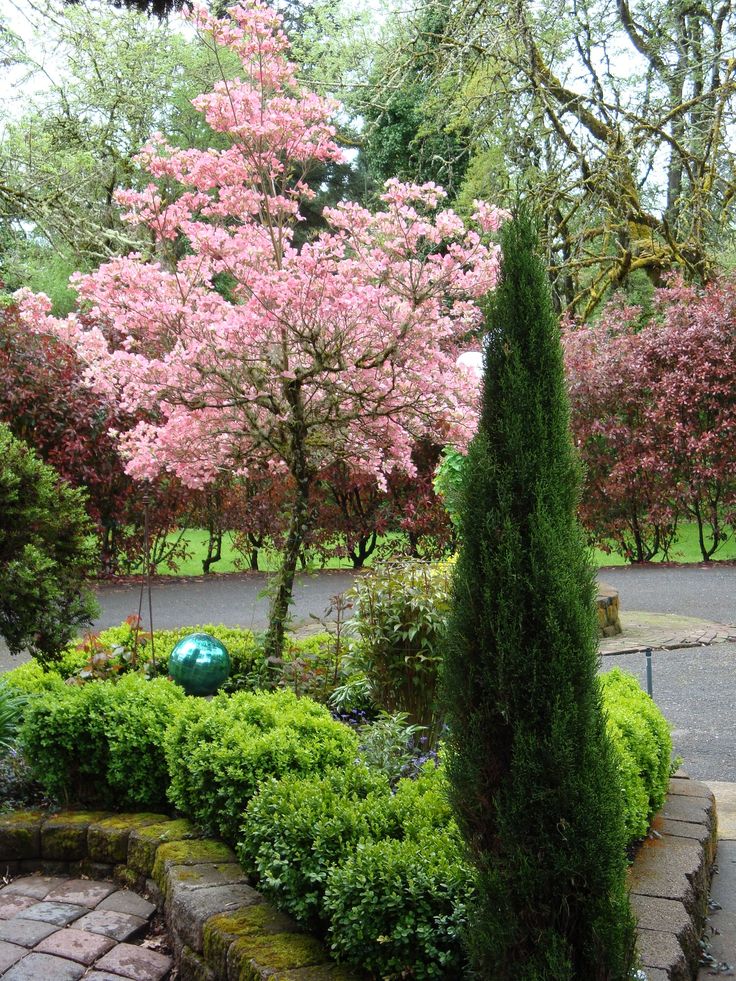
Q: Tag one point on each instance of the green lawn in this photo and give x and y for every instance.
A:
(685, 550)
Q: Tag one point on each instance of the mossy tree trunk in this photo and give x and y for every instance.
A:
(532, 775)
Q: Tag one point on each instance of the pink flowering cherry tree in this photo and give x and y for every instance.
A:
(247, 355)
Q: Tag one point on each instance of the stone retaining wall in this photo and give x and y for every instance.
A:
(223, 930)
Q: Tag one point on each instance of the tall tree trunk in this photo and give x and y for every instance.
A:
(299, 523)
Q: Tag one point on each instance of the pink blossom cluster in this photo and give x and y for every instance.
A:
(348, 344)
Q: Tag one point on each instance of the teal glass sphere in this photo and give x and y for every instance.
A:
(200, 664)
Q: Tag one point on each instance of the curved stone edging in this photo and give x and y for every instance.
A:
(670, 881)
(223, 930)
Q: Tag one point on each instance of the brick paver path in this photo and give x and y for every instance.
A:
(61, 929)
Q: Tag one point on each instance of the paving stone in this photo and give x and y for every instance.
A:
(13, 904)
(58, 913)
(81, 892)
(125, 901)
(659, 949)
(107, 840)
(670, 916)
(138, 963)
(690, 788)
(27, 933)
(673, 868)
(44, 967)
(679, 807)
(110, 923)
(38, 886)
(9, 954)
(76, 945)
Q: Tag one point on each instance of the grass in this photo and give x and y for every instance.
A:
(685, 550)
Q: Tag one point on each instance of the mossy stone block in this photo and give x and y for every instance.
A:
(143, 842)
(129, 878)
(64, 836)
(322, 972)
(107, 840)
(189, 852)
(261, 952)
(192, 967)
(20, 835)
(222, 930)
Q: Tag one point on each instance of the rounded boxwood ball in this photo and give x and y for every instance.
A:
(200, 664)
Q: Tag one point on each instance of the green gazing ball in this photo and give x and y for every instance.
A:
(200, 664)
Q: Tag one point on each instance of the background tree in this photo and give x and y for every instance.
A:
(344, 350)
(533, 781)
(615, 120)
(101, 82)
(46, 552)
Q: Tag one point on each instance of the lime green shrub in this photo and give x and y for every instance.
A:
(220, 751)
(643, 747)
(30, 678)
(102, 743)
(398, 908)
(297, 828)
(297, 831)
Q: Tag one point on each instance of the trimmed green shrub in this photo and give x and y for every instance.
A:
(643, 747)
(102, 742)
(398, 908)
(47, 549)
(30, 678)
(220, 751)
(295, 829)
(400, 617)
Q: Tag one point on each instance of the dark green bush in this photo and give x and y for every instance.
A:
(295, 829)
(219, 752)
(398, 908)
(102, 743)
(47, 550)
(643, 746)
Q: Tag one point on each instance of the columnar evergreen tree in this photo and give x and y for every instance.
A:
(532, 777)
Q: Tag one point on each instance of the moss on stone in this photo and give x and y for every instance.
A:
(222, 929)
(320, 972)
(143, 842)
(262, 947)
(193, 967)
(188, 852)
(108, 839)
(274, 952)
(64, 836)
(129, 878)
(20, 836)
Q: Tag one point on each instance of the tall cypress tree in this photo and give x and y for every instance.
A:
(531, 770)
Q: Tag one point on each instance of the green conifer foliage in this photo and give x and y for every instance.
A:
(533, 781)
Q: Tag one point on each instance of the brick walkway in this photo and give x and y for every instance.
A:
(62, 929)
